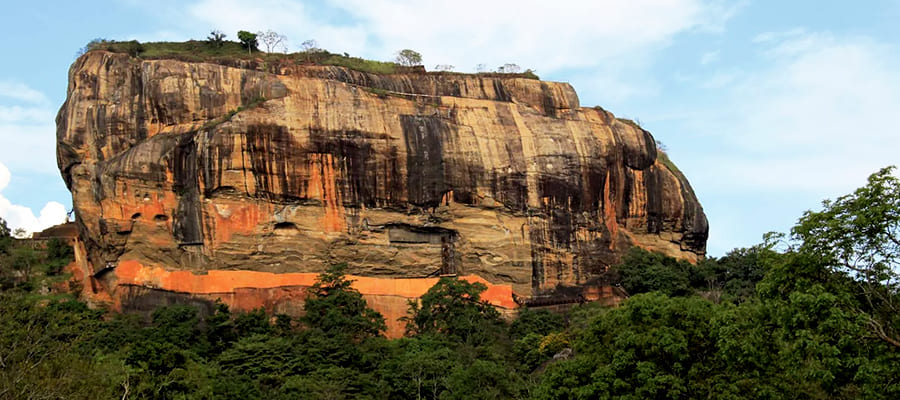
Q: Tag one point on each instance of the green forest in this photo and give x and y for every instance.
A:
(809, 314)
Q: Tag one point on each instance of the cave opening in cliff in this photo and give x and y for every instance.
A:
(285, 228)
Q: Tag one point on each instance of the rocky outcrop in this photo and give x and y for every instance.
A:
(206, 169)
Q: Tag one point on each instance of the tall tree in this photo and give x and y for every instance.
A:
(453, 308)
(859, 234)
(336, 308)
(248, 40)
(408, 58)
(273, 41)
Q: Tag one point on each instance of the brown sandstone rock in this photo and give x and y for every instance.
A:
(202, 167)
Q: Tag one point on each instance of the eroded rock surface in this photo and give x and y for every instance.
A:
(202, 167)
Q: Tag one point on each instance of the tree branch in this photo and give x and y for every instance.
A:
(881, 334)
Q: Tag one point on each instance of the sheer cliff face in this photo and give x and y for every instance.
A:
(202, 167)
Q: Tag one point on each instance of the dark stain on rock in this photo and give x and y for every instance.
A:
(144, 300)
(463, 167)
(625, 205)
(424, 159)
(549, 101)
(187, 227)
(368, 166)
(641, 156)
(594, 181)
(140, 117)
(273, 157)
(696, 226)
(653, 189)
(562, 199)
(511, 189)
(500, 92)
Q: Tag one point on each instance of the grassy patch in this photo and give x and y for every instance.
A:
(359, 64)
(200, 51)
(192, 50)
(203, 51)
(664, 159)
(529, 74)
(633, 124)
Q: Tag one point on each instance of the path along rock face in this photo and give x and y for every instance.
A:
(253, 173)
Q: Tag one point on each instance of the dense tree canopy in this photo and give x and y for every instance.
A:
(859, 234)
(811, 321)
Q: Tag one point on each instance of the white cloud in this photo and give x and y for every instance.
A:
(819, 118)
(812, 122)
(18, 216)
(32, 128)
(533, 33)
(11, 114)
(21, 92)
(781, 35)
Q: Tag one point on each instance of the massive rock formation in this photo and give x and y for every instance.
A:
(273, 171)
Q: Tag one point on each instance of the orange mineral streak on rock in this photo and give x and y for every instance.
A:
(638, 197)
(609, 213)
(136, 204)
(447, 198)
(235, 217)
(131, 272)
(92, 289)
(246, 290)
(323, 186)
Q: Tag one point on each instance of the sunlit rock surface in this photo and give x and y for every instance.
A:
(269, 172)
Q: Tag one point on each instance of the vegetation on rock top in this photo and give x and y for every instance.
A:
(218, 50)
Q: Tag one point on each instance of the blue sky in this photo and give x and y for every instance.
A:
(768, 107)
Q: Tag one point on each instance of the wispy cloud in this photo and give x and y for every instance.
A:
(532, 33)
(812, 122)
(26, 119)
(817, 113)
(18, 216)
(21, 92)
(779, 35)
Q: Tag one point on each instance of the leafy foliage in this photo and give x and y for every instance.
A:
(59, 254)
(643, 271)
(248, 40)
(453, 308)
(859, 234)
(335, 308)
(757, 323)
